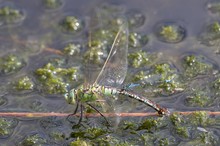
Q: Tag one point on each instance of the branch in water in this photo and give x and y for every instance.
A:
(31, 115)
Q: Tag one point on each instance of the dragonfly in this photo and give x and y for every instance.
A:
(110, 78)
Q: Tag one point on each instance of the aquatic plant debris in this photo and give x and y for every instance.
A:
(10, 64)
(52, 4)
(71, 24)
(170, 32)
(24, 83)
(10, 15)
(52, 79)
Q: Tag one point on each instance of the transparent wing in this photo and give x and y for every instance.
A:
(99, 21)
(114, 69)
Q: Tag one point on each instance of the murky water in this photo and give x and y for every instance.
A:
(179, 71)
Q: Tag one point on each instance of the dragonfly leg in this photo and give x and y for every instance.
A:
(77, 105)
(81, 114)
(76, 109)
(99, 113)
(80, 119)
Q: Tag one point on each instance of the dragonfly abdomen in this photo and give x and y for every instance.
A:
(109, 91)
(160, 110)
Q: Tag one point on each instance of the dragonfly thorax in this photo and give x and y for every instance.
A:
(88, 94)
(83, 94)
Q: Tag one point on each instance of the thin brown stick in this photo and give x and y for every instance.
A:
(52, 50)
(31, 115)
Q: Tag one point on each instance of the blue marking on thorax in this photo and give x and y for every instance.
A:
(130, 86)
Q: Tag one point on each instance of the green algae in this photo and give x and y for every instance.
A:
(207, 138)
(211, 34)
(154, 131)
(137, 40)
(164, 142)
(99, 44)
(182, 131)
(7, 126)
(55, 80)
(94, 56)
(148, 124)
(139, 76)
(90, 133)
(215, 87)
(198, 98)
(203, 139)
(161, 78)
(9, 15)
(10, 64)
(34, 140)
(152, 124)
(200, 118)
(57, 136)
(139, 59)
(24, 83)
(195, 65)
(72, 49)
(130, 125)
(71, 24)
(215, 27)
(170, 33)
(53, 4)
(197, 118)
(179, 125)
(184, 126)
(162, 69)
(80, 142)
(176, 119)
(158, 139)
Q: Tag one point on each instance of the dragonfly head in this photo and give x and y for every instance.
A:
(70, 96)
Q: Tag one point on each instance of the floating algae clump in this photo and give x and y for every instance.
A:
(10, 64)
(10, 15)
(71, 24)
(52, 79)
(24, 83)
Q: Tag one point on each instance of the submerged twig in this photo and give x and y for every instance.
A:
(31, 115)
(54, 51)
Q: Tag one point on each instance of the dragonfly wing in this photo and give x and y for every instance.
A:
(114, 69)
(105, 103)
(99, 18)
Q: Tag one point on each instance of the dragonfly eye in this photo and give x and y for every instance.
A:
(70, 97)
